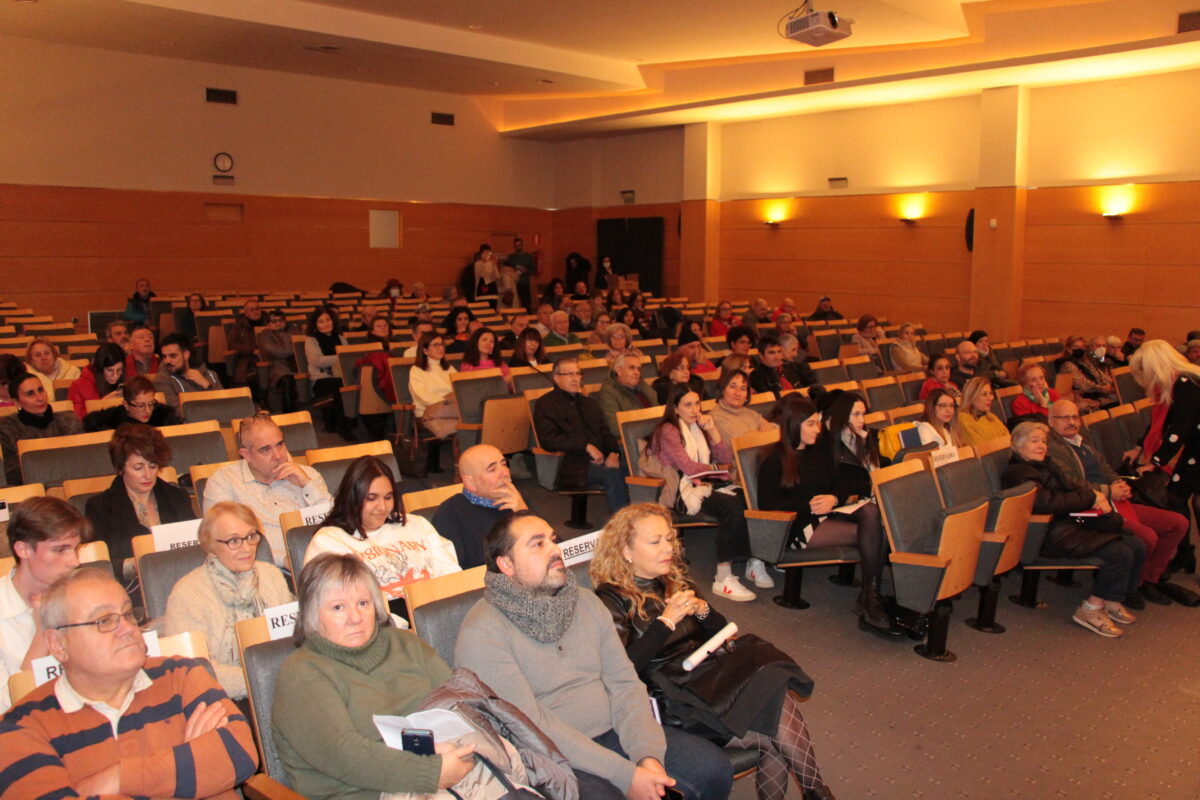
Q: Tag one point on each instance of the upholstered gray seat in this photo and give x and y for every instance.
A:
(296, 541)
(334, 471)
(261, 663)
(885, 397)
(55, 465)
(223, 409)
(190, 449)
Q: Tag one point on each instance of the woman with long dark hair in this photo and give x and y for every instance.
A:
(367, 521)
(938, 423)
(802, 474)
(323, 336)
(688, 442)
(640, 574)
(101, 379)
(528, 350)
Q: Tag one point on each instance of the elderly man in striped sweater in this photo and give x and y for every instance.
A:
(117, 723)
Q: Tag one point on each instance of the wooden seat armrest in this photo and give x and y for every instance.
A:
(777, 516)
(656, 483)
(260, 787)
(262, 363)
(920, 560)
(999, 538)
(537, 451)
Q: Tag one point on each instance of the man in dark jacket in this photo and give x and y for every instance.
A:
(768, 376)
(625, 390)
(488, 496)
(573, 424)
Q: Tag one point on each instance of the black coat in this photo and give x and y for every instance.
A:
(741, 687)
(109, 419)
(1181, 436)
(662, 387)
(1068, 537)
(568, 423)
(817, 475)
(112, 515)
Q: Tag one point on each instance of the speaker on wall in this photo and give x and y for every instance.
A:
(970, 230)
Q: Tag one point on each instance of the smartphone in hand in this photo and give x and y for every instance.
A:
(417, 740)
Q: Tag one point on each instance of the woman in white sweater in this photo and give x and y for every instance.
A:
(429, 385)
(230, 586)
(42, 358)
(938, 423)
(366, 521)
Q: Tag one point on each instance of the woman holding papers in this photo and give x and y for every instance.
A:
(137, 498)
(741, 695)
(230, 586)
(689, 442)
(802, 474)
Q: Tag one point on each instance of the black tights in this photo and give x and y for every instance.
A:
(787, 751)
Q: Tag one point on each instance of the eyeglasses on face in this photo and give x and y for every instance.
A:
(107, 623)
(149, 405)
(236, 542)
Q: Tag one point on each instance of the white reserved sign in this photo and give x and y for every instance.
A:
(944, 455)
(315, 513)
(174, 535)
(281, 619)
(47, 668)
(580, 549)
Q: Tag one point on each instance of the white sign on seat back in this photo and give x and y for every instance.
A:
(281, 619)
(48, 667)
(580, 549)
(174, 535)
(315, 514)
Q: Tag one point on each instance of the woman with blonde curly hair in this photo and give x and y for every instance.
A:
(639, 573)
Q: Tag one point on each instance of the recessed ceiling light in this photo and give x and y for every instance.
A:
(545, 80)
(474, 27)
(329, 49)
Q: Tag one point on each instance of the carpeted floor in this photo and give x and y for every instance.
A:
(1046, 710)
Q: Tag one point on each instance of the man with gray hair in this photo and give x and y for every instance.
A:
(569, 422)
(117, 722)
(625, 390)
(266, 480)
(560, 331)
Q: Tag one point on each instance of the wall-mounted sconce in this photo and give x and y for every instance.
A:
(911, 207)
(1116, 201)
(771, 223)
(909, 220)
(1113, 216)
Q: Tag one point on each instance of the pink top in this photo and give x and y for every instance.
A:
(484, 364)
(673, 454)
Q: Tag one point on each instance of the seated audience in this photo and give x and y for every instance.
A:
(740, 339)
(275, 347)
(185, 319)
(619, 339)
(141, 359)
(138, 498)
(1035, 397)
(723, 320)
(457, 329)
(674, 369)
(10, 367)
(643, 320)
(481, 353)
(812, 471)
(323, 337)
(528, 350)
(174, 733)
(989, 365)
(605, 276)
(906, 356)
(555, 295)
(1070, 450)
(42, 359)
(367, 521)
(560, 330)
(138, 405)
(1100, 537)
(177, 376)
(938, 377)
(825, 310)
(976, 421)
(691, 346)
(661, 618)
(598, 335)
(938, 423)
(1136, 338)
(44, 534)
(572, 423)
(615, 299)
(795, 362)
(731, 414)
(429, 385)
(1191, 351)
(243, 341)
(35, 419)
(736, 362)
(488, 496)
(516, 324)
(550, 648)
(99, 380)
(117, 332)
(769, 375)
(760, 313)
(379, 330)
(137, 308)
(419, 329)
(1091, 379)
(966, 364)
(624, 390)
(230, 586)
(544, 312)
(626, 317)
(689, 442)
(581, 319)
(1113, 353)
(267, 480)
(788, 307)
(351, 664)
(866, 337)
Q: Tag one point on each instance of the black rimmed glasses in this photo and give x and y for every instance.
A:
(107, 623)
(236, 542)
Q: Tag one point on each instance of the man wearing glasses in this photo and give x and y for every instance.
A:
(572, 423)
(138, 405)
(174, 733)
(266, 480)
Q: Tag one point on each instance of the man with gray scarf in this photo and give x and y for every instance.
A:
(550, 648)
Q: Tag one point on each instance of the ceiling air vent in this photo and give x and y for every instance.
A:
(1189, 21)
(438, 118)
(228, 96)
(812, 76)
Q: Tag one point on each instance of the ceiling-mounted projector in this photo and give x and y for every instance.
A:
(817, 27)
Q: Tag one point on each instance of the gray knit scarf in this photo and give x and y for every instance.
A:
(541, 615)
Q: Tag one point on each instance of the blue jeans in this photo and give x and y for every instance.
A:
(613, 481)
(701, 771)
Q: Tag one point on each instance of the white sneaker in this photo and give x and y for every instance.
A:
(731, 589)
(756, 570)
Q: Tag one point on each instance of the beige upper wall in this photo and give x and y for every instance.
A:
(594, 172)
(933, 145)
(1134, 129)
(76, 116)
